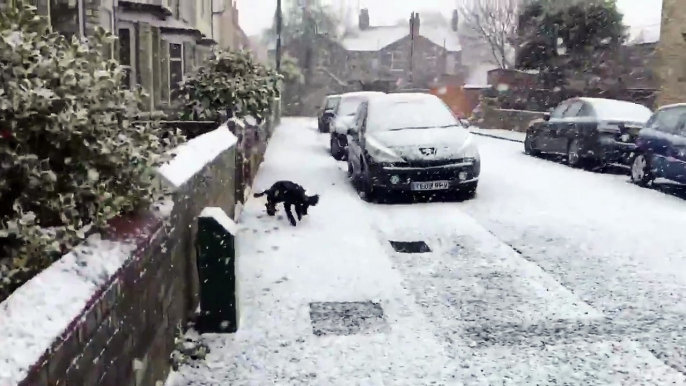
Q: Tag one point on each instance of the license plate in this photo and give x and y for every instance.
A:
(432, 185)
(626, 137)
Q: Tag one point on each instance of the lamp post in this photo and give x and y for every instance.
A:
(278, 35)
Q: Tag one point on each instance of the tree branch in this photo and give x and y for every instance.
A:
(494, 23)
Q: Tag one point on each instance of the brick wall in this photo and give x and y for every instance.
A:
(132, 319)
(502, 119)
(671, 53)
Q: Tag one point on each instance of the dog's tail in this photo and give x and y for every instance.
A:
(260, 194)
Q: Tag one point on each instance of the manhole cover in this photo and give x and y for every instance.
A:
(346, 318)
(410, 246)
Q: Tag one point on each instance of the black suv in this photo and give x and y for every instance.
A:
(326, 112)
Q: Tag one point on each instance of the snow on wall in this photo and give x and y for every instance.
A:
(40, 311)
(191, 157)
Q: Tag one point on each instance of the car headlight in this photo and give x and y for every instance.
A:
(470, 150)
(380, 153)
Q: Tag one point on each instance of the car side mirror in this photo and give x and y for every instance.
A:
(318, 107)
(352, 132)
(546, 116)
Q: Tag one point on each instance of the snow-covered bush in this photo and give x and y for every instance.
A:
(71, 155)
(230, 84)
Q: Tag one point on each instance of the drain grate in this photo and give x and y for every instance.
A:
(346, 318)
(410, 246)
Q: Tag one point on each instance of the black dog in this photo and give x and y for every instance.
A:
(291, 194)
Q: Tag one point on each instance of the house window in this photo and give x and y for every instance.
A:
(65, 17)
(397, 62)
(127, 56)
(175, 67)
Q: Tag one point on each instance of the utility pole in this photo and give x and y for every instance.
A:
(279, 26)
(413, 20)
(308, 41)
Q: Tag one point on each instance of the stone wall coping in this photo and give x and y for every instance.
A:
(192, 156)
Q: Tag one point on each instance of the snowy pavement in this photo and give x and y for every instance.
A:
(509, 135)
(549, 276)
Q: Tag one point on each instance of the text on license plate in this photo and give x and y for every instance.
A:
(432, 185)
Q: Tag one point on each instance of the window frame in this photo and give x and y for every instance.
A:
(133, 54)
(174, 87)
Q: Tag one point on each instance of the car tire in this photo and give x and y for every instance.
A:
(467, 193)
(641, 173)
(336, 151)
(365, 186)
(529, 145)
(573, 154)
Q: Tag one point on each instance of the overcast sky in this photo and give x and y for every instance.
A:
(256, 15)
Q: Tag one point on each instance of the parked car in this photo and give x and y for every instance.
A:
(344, 117)
(413, 143)
(661, 147)
(588, 131)
(326, 112)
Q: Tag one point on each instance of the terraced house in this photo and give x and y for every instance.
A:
(159, 40)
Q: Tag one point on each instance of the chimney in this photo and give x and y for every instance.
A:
(364, 19)
(414, 24)
(454, 21)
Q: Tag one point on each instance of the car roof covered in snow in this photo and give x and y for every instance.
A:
(616, 110)
(405, 97)
(672, 106)
(361, 94)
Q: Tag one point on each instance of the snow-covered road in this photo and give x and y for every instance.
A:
(550, 276)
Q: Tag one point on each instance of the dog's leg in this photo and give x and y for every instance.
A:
(287, 207)
(298, 211)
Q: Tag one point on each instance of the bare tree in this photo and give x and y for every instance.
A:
(493, 25)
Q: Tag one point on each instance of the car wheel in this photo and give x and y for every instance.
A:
(574, 154)
(640, 170)
(529, 145)
(367, 191)
(467, 193)
(336, 150)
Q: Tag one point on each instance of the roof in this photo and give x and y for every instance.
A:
(376, 38)
(644, 35)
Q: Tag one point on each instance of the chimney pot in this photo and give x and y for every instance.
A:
(455, 20)
(364, 19)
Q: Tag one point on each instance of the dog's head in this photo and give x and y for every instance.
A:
(271, 209)
(313, 200)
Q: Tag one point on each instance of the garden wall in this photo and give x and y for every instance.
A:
(503, 119)
(107, 313)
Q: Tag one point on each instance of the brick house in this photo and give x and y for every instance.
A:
(159, 40)
(671, 53)
(415, 54)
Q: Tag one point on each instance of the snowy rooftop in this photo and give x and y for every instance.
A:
(377, 38)
(647, 34)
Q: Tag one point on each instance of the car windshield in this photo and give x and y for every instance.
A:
(400, 114)
(669, 119)
(349, 105)
(331, 102)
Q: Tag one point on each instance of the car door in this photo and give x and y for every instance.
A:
(547, 131)
(675, 167)
(566, 128)
(356, 137)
